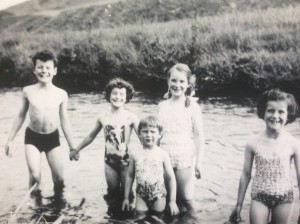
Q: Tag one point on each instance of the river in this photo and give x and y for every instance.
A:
(228, 124)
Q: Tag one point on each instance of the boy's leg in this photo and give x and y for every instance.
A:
(259, 213)
(281, 214)
(185, 188)
(55, 161)
(33, 158)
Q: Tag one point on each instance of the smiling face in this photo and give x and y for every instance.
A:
(118, 97)
(276, 115)
(45, 71)
(178, 83)
(149, 136)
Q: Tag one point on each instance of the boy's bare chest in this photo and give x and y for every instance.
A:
(44, 101)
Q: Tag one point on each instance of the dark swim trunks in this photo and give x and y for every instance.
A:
(43, 142)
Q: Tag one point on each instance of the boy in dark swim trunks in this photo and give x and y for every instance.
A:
(117, 124)
(46, 105)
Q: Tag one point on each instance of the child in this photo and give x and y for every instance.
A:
(149, 166)
(117, 124)
(273, 151)
(183, 137)
(47, 108)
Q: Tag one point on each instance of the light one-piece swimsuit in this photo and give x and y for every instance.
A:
(178, 134)
(272, 184)
(149, 174)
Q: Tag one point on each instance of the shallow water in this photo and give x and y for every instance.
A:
(228, 124)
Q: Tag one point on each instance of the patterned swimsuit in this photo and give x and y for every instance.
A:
(272, 183)
(178, 137)
(149, 173)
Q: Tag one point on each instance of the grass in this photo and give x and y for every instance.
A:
(231, 52)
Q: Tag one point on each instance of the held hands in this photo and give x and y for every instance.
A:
(235, 215)
(126, 205)
(74, 154)
(8, 146)
(172, 208)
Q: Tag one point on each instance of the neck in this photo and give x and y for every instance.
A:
(274, 134)
(150, 147)
(116, 110)
(45, 85)
(178, 98)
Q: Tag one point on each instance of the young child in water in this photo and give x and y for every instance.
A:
(149, 166)
(273, 151)
(47, 108)
(183, 136)
(117, 124)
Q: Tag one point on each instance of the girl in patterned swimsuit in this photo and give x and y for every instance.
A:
(149, 167)
(183, 137)
(117, 124)
(273, 151)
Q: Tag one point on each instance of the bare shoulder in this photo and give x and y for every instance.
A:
(251, 145)
(29, 89)
(163, 154)
(295, 143)
(162, 103)
(131, 117)
(60, 91)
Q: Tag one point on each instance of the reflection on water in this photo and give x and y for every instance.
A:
(228, 124)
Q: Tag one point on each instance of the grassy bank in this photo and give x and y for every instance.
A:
(236, 52)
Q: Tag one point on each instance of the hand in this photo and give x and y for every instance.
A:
(8, 146)
(126, 205)
(235, 215)
(198, 170)
(172, 208)
(74, 154)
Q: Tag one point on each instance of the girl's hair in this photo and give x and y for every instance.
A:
(44, 56)
(119, 83)
(277, 95)
(190, 77)
(150, 121)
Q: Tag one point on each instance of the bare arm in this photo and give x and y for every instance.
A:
(65, 123)
(170, 178)
(19, 120)
(199, 139)
(128, 184)
(244, 182)
(297, 164)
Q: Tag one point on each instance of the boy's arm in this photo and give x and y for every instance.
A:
(64, 120)
(243, 184)
(199, 139)
(297, 165)
(128, 183)
(171, 184)
(19, 120)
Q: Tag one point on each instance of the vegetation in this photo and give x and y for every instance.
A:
(233, 52)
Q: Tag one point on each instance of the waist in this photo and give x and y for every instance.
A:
(30, 129)
(45, 129)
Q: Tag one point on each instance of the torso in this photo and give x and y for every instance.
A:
(44, 108)
(178, 138)
(117, 131)
(273, 167)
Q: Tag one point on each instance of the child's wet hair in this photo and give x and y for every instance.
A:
(277, 95)
(119, 83)
(44, 56)
(150, 121)
(190, 77)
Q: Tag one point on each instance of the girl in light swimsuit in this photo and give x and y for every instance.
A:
(149, 166)
(273, 152)
(117, 124)
(183, 136)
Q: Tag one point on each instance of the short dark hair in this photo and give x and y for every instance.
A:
(119, 83)
(44, 56)
(277, 95)
(150, 121)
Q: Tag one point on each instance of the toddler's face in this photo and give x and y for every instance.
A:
(118, 97)
(178, 83)
(276, 114)
(45, 71)
(149, 136)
